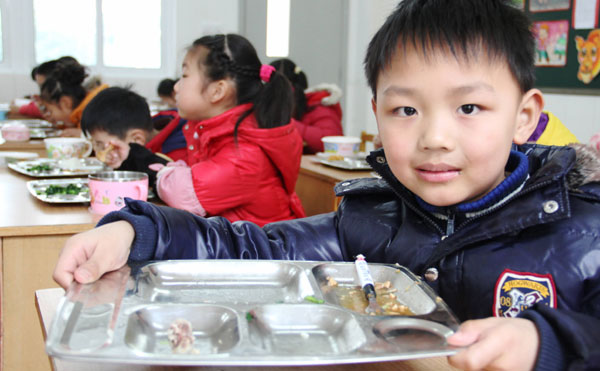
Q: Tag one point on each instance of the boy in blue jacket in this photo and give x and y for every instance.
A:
(509, 236)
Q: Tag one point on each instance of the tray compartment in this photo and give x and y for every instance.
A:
(86, 328)
(304, 330)
(224, 281)
(215, 328)
(412, 334)
(408, 289)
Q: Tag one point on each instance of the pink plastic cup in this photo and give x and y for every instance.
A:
(108, 189)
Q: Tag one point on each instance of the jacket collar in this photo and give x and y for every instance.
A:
(555, 169)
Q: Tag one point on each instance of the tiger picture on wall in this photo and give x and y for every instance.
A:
(588, 56)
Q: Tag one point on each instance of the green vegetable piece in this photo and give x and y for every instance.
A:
(249, 316)
(312, 299)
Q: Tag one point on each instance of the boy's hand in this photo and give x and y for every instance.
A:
(87, 256)
(116, 154)
(496, 344)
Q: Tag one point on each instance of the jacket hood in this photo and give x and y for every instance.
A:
(587, 166)
(282, 145)
(578, 163)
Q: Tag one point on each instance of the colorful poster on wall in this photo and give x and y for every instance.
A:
(551, 43)
(548, 5)
(588, 56)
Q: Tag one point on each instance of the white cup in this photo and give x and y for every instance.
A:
(65, 148)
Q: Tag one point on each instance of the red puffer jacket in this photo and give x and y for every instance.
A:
(253, 179)
(156, 144)
(319, 121)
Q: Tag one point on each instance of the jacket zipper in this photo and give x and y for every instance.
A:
(449, 225)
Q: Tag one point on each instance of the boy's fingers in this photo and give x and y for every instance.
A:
(87, 272)
(102, 260)
(462, 338)
(476, 356)
(71, 257)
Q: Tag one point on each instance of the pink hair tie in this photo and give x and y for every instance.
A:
(265, 72)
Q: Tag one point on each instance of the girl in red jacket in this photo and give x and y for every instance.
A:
(317, 110)
(243, 148)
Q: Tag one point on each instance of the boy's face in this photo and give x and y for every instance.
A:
(447, 125)
(110, 149)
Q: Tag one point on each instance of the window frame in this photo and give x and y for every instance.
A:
(19, 51)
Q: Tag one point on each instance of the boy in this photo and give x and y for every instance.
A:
(495, 230)
(119, 124)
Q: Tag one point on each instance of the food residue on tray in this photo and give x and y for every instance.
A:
(181, 337)
(312, 299)
(335, 158)
(353, 298)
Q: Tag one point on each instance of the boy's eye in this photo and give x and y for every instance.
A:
(468, 109)
(405, 111)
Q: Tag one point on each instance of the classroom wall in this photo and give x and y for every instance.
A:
(581, 113)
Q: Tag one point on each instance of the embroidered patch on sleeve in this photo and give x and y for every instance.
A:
(517, 291)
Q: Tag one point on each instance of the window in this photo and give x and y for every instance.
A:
(65, 27)
(278, 28)
(103, 33)
(127, 44)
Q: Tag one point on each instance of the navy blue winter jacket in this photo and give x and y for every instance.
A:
(536, 254)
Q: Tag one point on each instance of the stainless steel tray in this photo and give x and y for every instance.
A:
(88, 166)
(245, 312)
(42, 133)
(348, 164)
(38, 188)
(30, 123)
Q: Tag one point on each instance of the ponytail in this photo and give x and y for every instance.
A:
(299, 84)
(273, 106)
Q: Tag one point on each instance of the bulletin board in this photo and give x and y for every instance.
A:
(567, 44)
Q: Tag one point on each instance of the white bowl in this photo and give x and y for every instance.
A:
(341, 145)
(15, 132)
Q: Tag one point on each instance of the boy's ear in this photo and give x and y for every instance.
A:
(528, 116)
(374, 106)
(138, 136)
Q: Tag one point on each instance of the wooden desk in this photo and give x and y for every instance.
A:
(47, 301)
(31, 235)
(315, 184)
(34, 145)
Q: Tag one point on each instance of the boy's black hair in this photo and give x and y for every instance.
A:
(116, 110)
(165, 87)
(463, 27)
(234, 56)
(299, 82)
